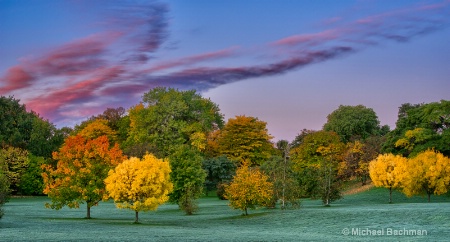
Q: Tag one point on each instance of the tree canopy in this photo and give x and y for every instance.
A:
(245, 139)
(420, 127)
(139, 185)
(353, 122)
(389, 171)
(168, 118)
(250, 188)
(82, 166)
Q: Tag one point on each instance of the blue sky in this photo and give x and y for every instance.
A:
(289, 63)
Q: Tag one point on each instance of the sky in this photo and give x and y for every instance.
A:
(288, 63)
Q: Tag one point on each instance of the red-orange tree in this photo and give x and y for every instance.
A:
(82, 166)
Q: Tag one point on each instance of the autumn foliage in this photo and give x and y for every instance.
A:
(428, 173)
(82, 166)
(250, 188)
(243, 139)
(139, 185)
(389, 171)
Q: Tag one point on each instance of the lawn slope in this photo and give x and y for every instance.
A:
(28, 219)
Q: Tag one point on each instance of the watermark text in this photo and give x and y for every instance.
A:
(384, 232)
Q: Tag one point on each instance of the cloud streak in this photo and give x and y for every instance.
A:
(116, 66)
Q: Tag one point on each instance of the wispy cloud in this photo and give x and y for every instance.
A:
(116, 66)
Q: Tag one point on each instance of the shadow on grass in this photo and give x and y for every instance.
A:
(116, 221)
(242, 216)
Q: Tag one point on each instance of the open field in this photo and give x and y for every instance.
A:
(28, 219)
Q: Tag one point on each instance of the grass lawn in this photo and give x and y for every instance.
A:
(366, 212)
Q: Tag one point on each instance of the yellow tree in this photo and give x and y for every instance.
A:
(250, 188)
(82, 166)
(140, 185)
(428, 173)
(389, 171)
(244, 138)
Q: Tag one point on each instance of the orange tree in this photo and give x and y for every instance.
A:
(140, 185)
(250, 188)
(388, 171)
(82, 166)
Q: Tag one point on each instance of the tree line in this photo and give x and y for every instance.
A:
(175, 146)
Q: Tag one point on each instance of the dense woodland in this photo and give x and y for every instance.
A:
(176, 146)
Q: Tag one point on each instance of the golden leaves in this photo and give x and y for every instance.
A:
(250, 188)
(427, 173)
(140, 185)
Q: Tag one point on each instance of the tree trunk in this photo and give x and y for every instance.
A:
(390, 194)
(88, 214)
(429, 197)
(245, 211)
(137, 217)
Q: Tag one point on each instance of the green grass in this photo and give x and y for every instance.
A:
(28, 219)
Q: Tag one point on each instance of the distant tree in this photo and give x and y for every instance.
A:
(317, 162)
(357, 157)
(168, 118)
(27, 130)
(14, 162)
(389, 171)
(353, 122)
(82, 166)
(245, 139)
(187, 177)
(298, 140)
(285, 183)
(250, 188)
(4, 189)
(31, 182)
(219, 170)
(428, 173)
(113, 116)
(45, 138)
(15, 123)
(139, 185)
(420, 127)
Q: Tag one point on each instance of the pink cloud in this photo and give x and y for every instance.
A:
(97, 70)
(50, 103)
(309, 39)
(16, 78)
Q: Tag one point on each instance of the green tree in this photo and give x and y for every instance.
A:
(219, 170)
(15, 123)
(317, 160)
(420, 127)
(14, 162)
(45, 138)
(286, 187)
(140, 185)
(353, 122)
(245, 139)
(250, 188)
(187, 177)
(83, 164)
(31, 182)
(168, 118)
